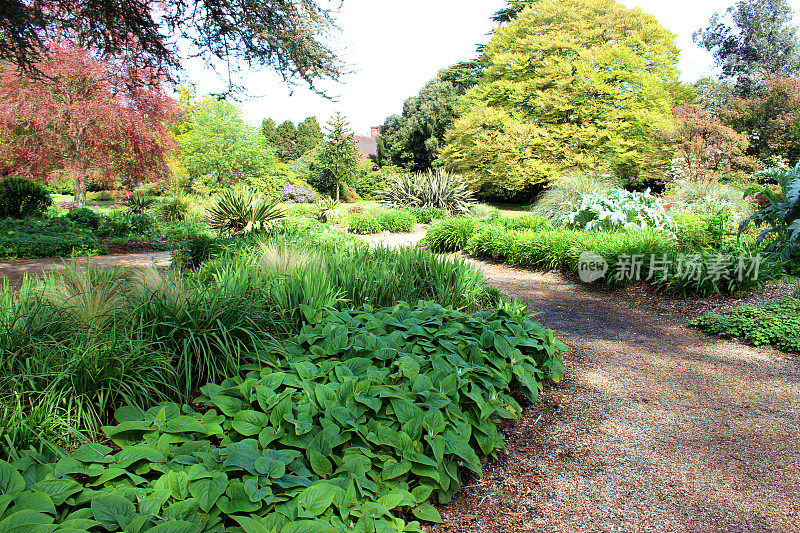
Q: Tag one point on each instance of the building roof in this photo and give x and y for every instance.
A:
(368, 146)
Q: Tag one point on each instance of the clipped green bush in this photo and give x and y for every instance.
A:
(21, 198)
(364, 223)
(426, 215)
(449, 235)
(774, 323)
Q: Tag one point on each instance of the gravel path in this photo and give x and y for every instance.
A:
(14, 271)
(656, 428)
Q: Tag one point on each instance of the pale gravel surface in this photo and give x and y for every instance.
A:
(655, 428)
(14, 271)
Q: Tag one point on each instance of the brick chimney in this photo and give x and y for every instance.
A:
(375, 132)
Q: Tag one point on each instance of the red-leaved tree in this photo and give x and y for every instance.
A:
(85, 118)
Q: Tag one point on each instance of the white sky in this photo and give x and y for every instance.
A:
(394, 48)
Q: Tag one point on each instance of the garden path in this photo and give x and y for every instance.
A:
(14, 271)
(656, 427)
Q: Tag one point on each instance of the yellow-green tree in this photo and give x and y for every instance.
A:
(569, 85)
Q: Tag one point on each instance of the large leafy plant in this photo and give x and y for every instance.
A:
(242, 211)
(781, 215)
(355, 425)
(619, 209)
(430, 189)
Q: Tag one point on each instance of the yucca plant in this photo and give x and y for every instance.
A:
(238, 211)
(137, 203)
(437, 188)
(326, 210)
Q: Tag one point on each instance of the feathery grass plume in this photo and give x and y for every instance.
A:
(566, 191)
(93, 297)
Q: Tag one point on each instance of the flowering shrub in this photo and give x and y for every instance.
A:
(349, 195)
(356, 209)
(619, 209)
(292, 194)
(66, 206)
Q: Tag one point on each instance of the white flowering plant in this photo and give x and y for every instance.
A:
(619, 209)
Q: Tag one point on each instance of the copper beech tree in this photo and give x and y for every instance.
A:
(84, 118)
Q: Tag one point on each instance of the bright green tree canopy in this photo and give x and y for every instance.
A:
(568, 85)
(218, 149)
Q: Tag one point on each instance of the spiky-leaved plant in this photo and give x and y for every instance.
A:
(137, 203)
(437, 188)
(242, 211)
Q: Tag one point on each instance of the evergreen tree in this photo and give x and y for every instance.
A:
(309, 135)
(286, 139)
(338, 157)
(751, 40)
(268, 130)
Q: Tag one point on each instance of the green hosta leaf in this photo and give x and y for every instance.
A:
(502, 345)
(249, 423)
(113, 511)
(253, 525)
(58, 489)
(11, 481)
(176, 483)
(422, 493)
(34, 501)
(92, 453)
(320, 464)
(393, 469)
(405, 411)
(27, 522)
(208, 490)
(227, 404)
(270, 467)
(77, 524)
(427, 512)
(433, 421)
(308, 526)
(175, 526)
(316, 499)
(236, 500)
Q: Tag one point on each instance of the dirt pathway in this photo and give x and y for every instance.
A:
(14, 271)
(655, 428)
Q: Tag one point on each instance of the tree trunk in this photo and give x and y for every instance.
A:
(338, 186)
(80, 191)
